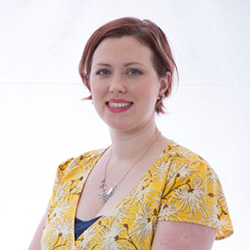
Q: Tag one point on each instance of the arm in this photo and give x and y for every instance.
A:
(36, 241)
(182, 235)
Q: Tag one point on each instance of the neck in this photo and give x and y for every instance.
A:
(127, 146)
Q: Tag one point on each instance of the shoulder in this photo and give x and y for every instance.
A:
(178, 152)
(183, 161)
(188, 169)
(93, 154)
(193, 192)
(85, 159)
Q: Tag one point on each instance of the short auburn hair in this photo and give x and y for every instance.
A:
(147, 33)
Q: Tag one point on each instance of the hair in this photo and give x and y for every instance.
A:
(148, 34)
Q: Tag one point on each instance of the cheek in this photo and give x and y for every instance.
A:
(96, 89)
(150, 93)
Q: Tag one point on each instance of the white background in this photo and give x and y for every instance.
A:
(44, 122)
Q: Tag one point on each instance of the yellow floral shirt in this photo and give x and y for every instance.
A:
(180, 186)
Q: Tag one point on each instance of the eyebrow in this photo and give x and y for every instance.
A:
(102, 64)
(127, 64)
(132, 63)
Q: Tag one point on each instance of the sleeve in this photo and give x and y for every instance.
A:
(193, 194)
(58, 180)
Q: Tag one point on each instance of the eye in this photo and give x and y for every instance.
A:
(103, 72)
(133, 72)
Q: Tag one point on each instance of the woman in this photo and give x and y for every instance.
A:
(144, 191)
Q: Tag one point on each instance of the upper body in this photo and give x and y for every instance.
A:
(179, 187)
(128, 67)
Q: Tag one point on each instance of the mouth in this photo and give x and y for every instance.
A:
(119, 104)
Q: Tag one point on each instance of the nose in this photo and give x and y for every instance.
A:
(117, 84)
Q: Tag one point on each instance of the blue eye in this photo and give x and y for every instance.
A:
(102, 72)
(134, 72)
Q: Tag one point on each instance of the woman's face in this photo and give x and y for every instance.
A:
(124, 83)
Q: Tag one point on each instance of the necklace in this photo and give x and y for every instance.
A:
(104, 195)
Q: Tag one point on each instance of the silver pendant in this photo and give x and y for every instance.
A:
(104, 195)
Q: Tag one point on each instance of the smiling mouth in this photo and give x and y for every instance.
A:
(119, 105)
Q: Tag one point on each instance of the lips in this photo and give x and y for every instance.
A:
(118, 105)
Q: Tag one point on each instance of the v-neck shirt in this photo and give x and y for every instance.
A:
(179, 186)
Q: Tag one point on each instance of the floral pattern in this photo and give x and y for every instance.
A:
(180, 186)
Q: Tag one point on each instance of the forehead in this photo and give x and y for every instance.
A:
(120, 49)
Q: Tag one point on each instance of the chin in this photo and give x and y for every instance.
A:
(128, 127)
(119, 126)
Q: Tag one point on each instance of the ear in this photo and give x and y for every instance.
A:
(165, 82)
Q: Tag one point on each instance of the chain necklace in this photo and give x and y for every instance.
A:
(104, 195)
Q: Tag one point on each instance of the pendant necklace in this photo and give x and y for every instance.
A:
(105, 195)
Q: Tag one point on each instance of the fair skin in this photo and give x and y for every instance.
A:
(125, 88)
